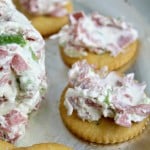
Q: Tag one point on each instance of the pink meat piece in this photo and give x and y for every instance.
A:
(4, 79)
(101, 20)
(4, 135)
(97, 19)
(123, 120)
(80, 74)
(141, 110)
(124, 40)
(125, 110)
(73, 18)
(19, 64)
(104, 21)
(79, 30)
(14, 117)
(3, 54)
(82, 79)
(92, 104)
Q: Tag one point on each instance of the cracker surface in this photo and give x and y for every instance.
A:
(45, 146)
(113, 63)
(46, 25)
(104, 131)
(5, 146)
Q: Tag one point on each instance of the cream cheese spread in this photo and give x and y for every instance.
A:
(95, 33)
(46, 7)
(22, 71)
(94, 94)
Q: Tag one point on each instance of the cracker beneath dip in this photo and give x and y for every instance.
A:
(122, 61)
(45, 24)
(45, 146)
(104, 107)
(104, 131)
(102, 41)
(5, 146)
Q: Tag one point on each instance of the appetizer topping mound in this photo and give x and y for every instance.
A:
(95, 33)
(96, 93)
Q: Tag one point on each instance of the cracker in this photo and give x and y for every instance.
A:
(5, 145)
(45, 146)
(128, 65)
(104, 131)
(46, 25)
(105, 59)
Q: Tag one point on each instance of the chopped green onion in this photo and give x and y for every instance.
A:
(106, 100)
(34, 57)
(42, 90)
(13, 38)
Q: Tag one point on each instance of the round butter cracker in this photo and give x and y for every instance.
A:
(46, 25)
(5, 145)
(45, 146)
(104, 131)
(100, 60)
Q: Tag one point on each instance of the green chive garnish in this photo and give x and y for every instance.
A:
(13, 38)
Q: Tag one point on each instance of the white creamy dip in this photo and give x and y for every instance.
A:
(22, 71)
(95, 33)
(46, 7)
(94, 94)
